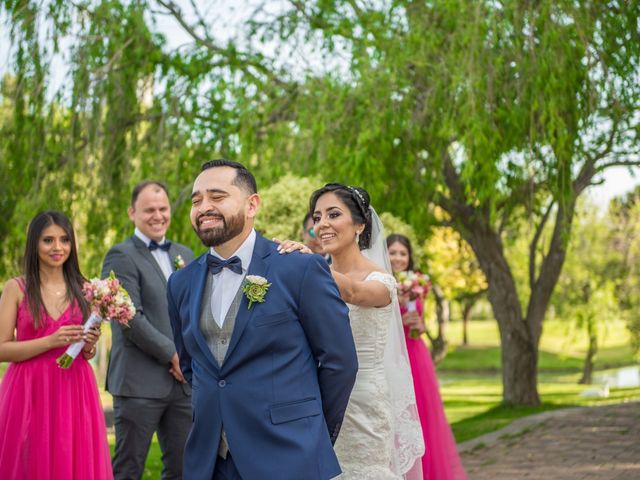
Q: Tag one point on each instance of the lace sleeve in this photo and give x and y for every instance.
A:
(387, 280)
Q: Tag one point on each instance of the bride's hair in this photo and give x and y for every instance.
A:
(357, 200)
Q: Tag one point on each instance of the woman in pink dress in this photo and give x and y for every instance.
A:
(441, 460)
(51, 419)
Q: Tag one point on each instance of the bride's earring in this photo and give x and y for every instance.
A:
(358, 237)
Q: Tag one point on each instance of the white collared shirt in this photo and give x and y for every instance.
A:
(162, 258)
(226, 283)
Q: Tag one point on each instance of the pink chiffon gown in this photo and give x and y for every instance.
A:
(441, 460)
(51, 419)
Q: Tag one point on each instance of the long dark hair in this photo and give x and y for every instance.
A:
(401, 239)
(73, 278)
(357, 201)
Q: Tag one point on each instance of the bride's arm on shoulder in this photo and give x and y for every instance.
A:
(365, 293)
(12, 350)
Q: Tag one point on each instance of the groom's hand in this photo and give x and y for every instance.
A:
(175, 369)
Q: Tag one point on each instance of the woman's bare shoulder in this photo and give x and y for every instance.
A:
(12, 290)
(371, 267)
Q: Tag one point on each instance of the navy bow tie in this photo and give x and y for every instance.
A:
(153, 245)
(216, 264)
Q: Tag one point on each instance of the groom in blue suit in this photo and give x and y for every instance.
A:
(264, 339)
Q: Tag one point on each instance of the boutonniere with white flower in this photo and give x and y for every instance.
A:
(178, 262)
(255, 288)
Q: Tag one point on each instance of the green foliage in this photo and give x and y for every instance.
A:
(284, 205)
(624, 270)
(452, 263)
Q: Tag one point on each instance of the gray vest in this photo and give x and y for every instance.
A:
(217, 338)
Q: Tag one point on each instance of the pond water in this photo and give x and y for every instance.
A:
(627, 377)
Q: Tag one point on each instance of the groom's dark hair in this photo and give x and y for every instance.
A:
(244, 178)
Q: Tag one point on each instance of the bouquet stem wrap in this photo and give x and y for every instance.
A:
(66, 359)
(412, 307)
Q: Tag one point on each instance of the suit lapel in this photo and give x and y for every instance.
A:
(198, 282)
(259, 266)
(144, 252)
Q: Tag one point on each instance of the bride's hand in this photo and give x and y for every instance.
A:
(288, 246)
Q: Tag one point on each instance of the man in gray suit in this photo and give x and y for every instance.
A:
(149, 392)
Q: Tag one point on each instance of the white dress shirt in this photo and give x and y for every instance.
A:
(162, 258)
(226, 283)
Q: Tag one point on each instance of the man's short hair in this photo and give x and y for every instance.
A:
(244, 178)
(144, 184)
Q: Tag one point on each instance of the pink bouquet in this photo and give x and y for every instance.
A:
(108, 300)
(417, 285)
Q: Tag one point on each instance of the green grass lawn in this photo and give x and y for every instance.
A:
(470, 376)
(562, 348)
(153, 466)
(473, 402)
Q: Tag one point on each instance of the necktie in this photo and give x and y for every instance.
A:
(217, 264)
(153, 245)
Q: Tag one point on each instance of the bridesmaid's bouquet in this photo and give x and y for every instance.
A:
(417, 285)
(108, 300)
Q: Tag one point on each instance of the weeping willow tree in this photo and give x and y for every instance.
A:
(493, 111)
(96, 99)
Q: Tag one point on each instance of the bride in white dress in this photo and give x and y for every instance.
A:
(381, 437)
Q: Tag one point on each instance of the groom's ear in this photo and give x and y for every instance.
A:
(253, 205)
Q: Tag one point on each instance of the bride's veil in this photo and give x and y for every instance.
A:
(408, 445)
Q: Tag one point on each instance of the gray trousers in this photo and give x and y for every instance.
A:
(136, 419)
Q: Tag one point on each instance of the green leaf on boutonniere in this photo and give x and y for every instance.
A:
(255, 288)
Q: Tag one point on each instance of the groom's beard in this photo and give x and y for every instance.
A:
(231, 228)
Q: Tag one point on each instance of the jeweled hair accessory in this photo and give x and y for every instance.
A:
(362, 202)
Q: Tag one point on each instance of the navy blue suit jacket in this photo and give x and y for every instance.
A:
(283, 387)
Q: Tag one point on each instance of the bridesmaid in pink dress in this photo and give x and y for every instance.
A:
(441, 460)
(51, 419)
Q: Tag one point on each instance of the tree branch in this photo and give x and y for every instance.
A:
(618, 163)
(206, 41)
(533, 246)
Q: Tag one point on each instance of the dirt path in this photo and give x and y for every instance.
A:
(592, 443)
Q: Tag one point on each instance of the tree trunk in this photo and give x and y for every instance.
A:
(440, 343)
(466, 316)
(519, 334)
(587, 369)
(519, 362)
(519, 346)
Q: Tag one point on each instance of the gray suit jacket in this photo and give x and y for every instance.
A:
(141, 353)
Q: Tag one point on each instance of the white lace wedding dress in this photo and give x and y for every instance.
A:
(366, 446)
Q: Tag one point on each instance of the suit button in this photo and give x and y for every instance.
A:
(222, 383)
(223, 341)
